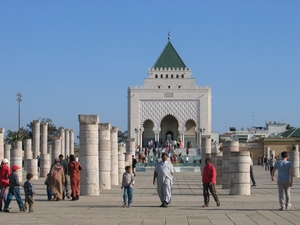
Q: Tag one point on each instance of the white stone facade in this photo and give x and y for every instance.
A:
(169, 103)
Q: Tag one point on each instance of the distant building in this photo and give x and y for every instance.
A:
(169, 106)
(271, 129)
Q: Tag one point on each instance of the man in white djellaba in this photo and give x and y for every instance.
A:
(164, 173)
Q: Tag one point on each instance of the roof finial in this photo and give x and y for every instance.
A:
(169, 36)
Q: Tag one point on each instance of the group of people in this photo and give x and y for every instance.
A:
(163, 179)
(10, 186)
(63, 176)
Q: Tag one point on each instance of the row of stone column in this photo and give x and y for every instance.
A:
(102, 162)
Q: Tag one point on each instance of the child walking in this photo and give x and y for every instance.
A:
(29, 193)
(127, 184)
(14, 189)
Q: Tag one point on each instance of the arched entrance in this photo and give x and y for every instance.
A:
(148, 133)
(169, 129)
(190, 133)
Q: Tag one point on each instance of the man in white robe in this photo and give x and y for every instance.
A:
(164, 173)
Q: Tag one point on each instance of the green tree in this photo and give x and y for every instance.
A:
(13, 136)
(122, 136)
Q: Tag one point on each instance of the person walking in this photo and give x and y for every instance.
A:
(14, 190)
(67, 186)
(209, 179)
(272, 164)
(251, 173)
(4, 182)
(284, 180)
(74, 170)
(134, 162)
(127, 184)
(29, 193)
(164, 173)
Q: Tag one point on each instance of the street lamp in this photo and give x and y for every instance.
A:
(19, 99)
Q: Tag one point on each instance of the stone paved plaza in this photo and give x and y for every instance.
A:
(261, 207)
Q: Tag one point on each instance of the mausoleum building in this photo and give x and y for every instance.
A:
(170, 105)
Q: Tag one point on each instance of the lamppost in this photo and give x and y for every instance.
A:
(19, 99)
(200, 130)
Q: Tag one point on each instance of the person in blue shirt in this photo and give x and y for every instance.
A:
(284, 180)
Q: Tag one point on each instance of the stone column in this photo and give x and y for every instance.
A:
(44, 137)
(219, 167)
(205, 149)
(294, 159)
(130, 150)
(36, 138)
(7, 148)
(49, 151)
(272, 152)
(71, 135)
(16, 157)
(32, 167)
(114, 155)
(227, 148)
(1, 143)
(240, 173)
(104, 156)
(27, 151)
(121, 162)
(45, 164)
(67, 143)
(62, 135)
(56, 148)
(213, 157)
(88, 151)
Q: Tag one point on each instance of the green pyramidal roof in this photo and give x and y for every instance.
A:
(169, 58)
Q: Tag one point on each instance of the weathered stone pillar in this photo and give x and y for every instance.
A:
(16, 157)
(213, 157)
(272, 152)
(130, 150)
(71, 135)
(227, 148)
(49, 151)
(27, 151)
(44, 137)
(240, 173)
(294, 159)
(114, 156)
(88, 136)
(104, 156)
(67, 143)
(36, 138)
(219, 168)
(1, 143)
(32, 167)
(205, 149)
(46, 162)
(56, 147)
(121, 162)
(7, 148)
(62, 142)
(267, 151)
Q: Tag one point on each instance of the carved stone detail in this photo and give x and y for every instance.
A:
(157, 110)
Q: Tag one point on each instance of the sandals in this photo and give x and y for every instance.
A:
(218, 203)
(205, 205)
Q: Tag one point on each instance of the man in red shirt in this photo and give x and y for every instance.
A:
(4, 183)
(209, 178)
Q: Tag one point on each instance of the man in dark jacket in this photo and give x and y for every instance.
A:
(67, 187)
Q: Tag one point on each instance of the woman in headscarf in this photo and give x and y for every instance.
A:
(56, 180)
(74, 170)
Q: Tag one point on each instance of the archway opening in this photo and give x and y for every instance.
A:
(148, 133)
(169, 129)
(190, 133)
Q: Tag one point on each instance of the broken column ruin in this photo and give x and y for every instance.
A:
(114, 155)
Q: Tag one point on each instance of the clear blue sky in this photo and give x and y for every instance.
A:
(79, 57)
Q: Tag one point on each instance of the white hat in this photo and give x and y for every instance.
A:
(5, 160)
